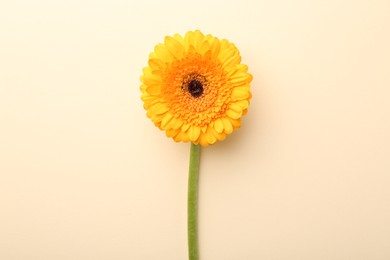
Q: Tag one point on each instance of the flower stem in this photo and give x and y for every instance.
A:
(193, 202)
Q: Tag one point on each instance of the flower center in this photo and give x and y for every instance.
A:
(195, 88)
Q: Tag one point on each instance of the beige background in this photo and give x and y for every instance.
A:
(85, 175)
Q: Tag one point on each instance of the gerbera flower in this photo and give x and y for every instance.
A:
(195, 88)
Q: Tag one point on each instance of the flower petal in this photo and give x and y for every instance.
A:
(189, 39)
(168, 117)
(180, 39)
(185, 127)
(156, 64)
(228, 50)
(182, 137)
(203, 47)
(242, 103)
(174, 47)
(218, 136)
(159, 108)
(240, 93)
(227, 125)
(215, 46)
(238, 78)
(232, 61)
(172, 132)
(194, 132)
(163, 53)
(218, 125)
(154, 89)
(174, 123)
(198, 39)
(233, 112)
(236, 123)
(210, 136)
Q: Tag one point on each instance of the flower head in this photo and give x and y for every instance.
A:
(195, 88)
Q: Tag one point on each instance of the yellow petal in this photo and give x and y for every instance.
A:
(157, 118)
(172, 132)
(180, 39)
(193, 133)
(163, 53)
(236, 123)
(243, 104)
(185, 127)
(189, 38)
(177, 138)
(221, 137)
(232, 61)
(170, 123)
(234, 114)
(228, 50)
(191, 49)
(168, 117)
(154, 89)
(150, 79)
(177, 123)
(149, 114)
(240, 93)
(224, 44)
(154, 101)
(146, 98)
(174, 123)
(180, 137)
(210, 137)
(218, 125)
(185, 137)
(198, 39)
(218, 136)
(203, 47)
(152, 83)
(240, 68)
(208, 55)
(239, 78)
(159, 108)
(146, 70)
(227, 125)
(156, 63)
(215, 46)
(174, 47)
(203, 140)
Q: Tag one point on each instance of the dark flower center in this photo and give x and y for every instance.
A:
(195, 88)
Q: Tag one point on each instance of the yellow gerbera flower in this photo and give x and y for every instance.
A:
(195, 88)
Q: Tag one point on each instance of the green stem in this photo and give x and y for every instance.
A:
(193, 202)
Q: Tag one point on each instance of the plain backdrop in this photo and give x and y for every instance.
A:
(85, 175)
